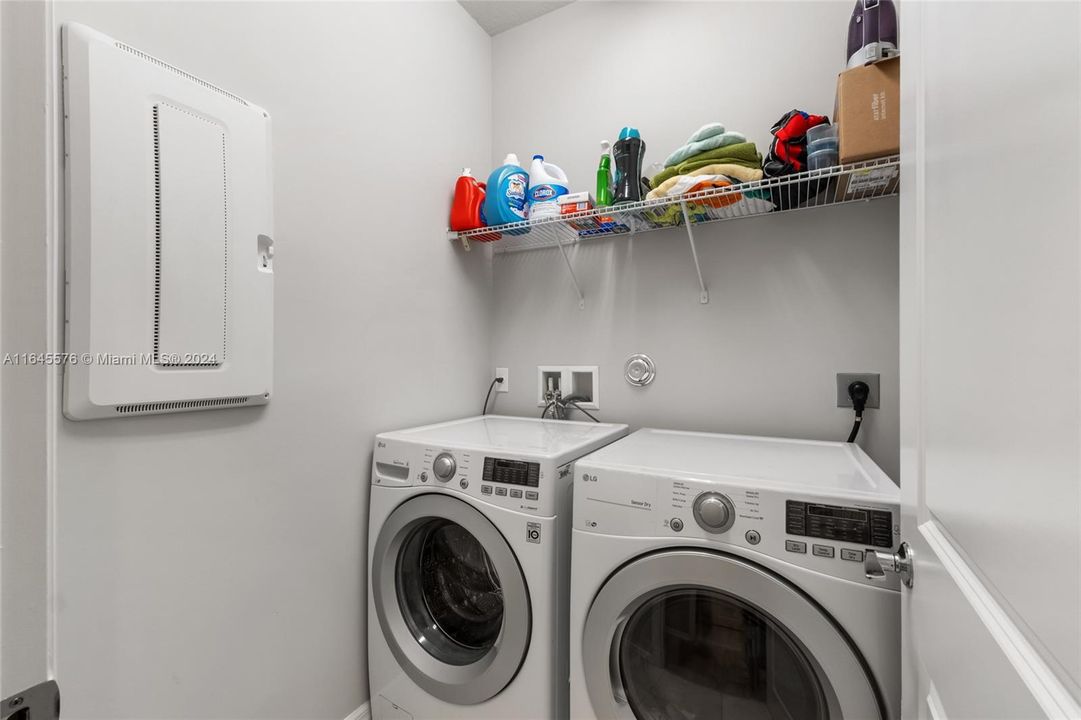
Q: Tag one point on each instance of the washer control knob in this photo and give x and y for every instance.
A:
(444, 466)
(676, 524)
(714, 512)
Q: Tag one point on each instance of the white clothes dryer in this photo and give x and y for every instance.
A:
(722, 576)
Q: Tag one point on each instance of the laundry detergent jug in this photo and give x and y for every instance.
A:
(465, 210)
(507, 200)
(546, 183)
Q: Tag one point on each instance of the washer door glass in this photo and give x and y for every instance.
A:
(451, 599)
(449, 592)
(695, 653)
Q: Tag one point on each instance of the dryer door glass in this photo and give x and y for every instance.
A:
(688, 633)
(697, 653)
(449, 592)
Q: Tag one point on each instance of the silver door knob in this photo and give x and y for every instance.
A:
(714, 512)
(877, 563)
(444, 466)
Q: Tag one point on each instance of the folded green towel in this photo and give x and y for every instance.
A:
(745, 154)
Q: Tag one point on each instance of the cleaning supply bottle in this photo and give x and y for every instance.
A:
(546, 183)
(508, 200)
(465, 211)
(604, 176)
(628, 152)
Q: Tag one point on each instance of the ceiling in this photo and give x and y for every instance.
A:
(495, 16)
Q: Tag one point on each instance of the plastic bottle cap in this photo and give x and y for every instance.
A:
(511, 159)
(466, 173)
(538, 157)
(606, 146)
(629, 132)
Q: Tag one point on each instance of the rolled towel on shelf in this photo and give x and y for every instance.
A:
(736, 172)
(745, 204)
(693, 183)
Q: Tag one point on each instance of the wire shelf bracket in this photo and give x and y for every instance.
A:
(703, 293)
(574, 278)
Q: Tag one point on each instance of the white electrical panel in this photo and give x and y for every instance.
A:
(169, 255)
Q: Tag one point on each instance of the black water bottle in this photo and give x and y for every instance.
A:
(628, 153)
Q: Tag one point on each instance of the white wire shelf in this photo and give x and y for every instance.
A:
(827, 187)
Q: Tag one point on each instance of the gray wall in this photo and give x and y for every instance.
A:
(211, 565)
(794, 298)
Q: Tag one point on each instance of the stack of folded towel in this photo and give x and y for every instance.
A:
(711, 158)
(711, 150)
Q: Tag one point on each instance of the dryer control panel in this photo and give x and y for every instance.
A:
(821, 531)
(837, 522)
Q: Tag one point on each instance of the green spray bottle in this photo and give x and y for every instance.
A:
(604, 176)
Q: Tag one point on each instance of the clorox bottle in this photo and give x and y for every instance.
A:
(546, 183)
(507, 200)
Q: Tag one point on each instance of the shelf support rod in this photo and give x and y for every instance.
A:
(703, 293)
(574, 278)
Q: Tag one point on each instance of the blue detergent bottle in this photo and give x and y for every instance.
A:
(507, 200)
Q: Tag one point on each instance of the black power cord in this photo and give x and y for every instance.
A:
(495, 381)
(858, 391)
(582, 409)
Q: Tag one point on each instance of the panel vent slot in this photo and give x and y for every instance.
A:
(163, 114)
(181, 73)
(157, 232)
(180, 405)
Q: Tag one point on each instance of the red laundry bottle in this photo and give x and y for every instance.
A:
(465, 213)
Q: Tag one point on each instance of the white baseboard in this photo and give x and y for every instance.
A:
(364, 712)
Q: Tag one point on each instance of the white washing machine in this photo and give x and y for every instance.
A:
(469, 567)
(722, 576)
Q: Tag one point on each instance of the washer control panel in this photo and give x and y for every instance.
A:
(528, 486)
(511, 472)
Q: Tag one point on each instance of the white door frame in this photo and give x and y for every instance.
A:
(32, 217)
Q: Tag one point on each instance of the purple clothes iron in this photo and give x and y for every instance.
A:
(872, 32)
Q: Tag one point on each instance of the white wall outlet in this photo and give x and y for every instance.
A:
(569, 380)
(505, 385)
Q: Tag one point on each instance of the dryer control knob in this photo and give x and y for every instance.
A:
(714, 512)
(444, 466)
